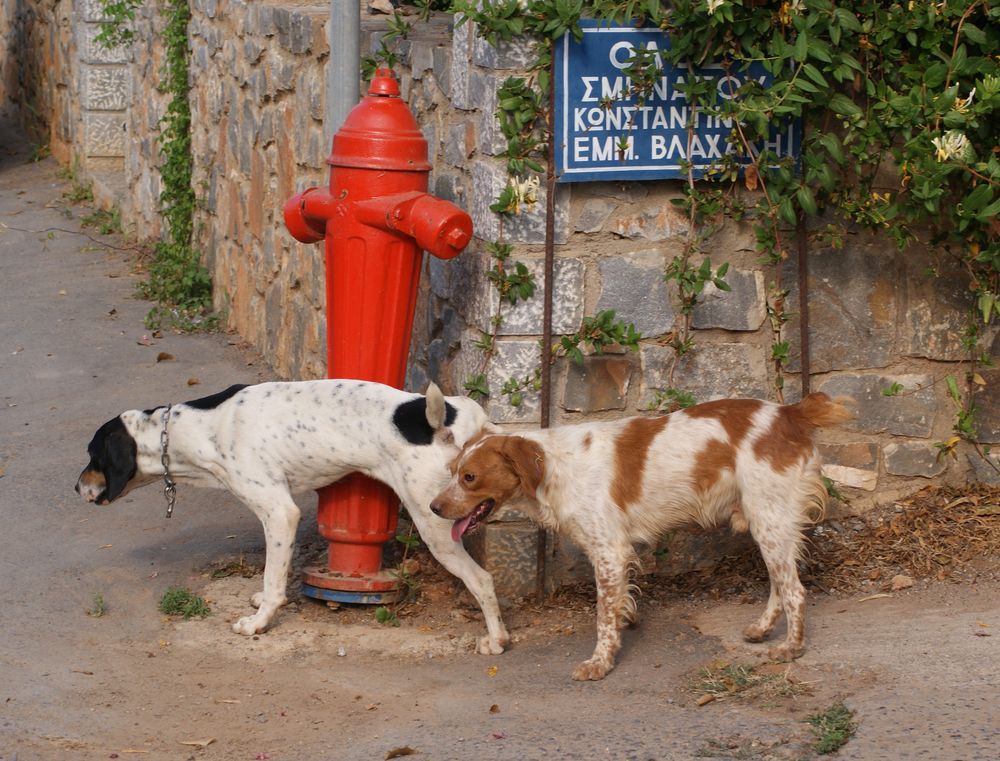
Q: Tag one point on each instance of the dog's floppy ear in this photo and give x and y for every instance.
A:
(119, 463)
(527, 460)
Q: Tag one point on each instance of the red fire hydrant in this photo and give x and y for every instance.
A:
(376, 218)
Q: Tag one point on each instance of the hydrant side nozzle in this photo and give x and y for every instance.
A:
(306, 214)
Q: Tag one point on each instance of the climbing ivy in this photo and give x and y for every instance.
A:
(899, 101)
(177, 281)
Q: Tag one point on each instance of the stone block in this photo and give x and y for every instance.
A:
(910, 459)
(910, 413)
(509, 552)
(442, 69)
(711, 371)
(92, 10)
(103, 133)
(92, 52)
(696, 550)
(853, 308)
(520, 53)
(854, 465)
(984, 471)
(491, 140)
(653, 223)
(458, 76)
(519, 360)
(598, 384)
(594, 214)
(488, 181)
(740, 308)
(936, 310)
(525, 317)
(633, 286)
(104, 88)
(461, 144)
(421, 58)
(987, 401)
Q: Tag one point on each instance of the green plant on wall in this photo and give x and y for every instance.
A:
(179, 284)
(906, 89)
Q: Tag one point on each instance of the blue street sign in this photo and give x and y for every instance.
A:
(602, 132)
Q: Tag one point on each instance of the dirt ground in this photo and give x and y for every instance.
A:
(89, 669)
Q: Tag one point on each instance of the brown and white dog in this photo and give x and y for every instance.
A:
(609, 485)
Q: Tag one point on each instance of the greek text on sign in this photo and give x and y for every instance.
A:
(603, 133)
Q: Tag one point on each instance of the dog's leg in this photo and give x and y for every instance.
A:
(436, 534)
(779, 543)
(759, 631)
(613, 602)
(279, 516)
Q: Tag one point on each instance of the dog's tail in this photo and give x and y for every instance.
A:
(818, 410)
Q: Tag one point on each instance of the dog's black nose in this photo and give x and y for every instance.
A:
(436, 507)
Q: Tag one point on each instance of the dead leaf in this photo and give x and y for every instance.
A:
(705, 699)
(406, 750)
(981, 634)
(492, 671)
(105, 547)
(494, 708)
(165, 356)
(371, 707)
(198, 743)
(381, 6)
(193, 381)
(750, 177)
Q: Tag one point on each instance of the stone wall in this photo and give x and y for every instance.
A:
(257, 116)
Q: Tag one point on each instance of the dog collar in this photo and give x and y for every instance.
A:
(169, 485)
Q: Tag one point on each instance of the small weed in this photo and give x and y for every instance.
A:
(177, 601)
(98, 608)
(385, 616)
(39, 152)
(106, 221)
(79, 192)
(832, 728)
(671, 400)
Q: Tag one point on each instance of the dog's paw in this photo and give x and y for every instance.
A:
(754, 633)
(249, 625)
(592, 670)
(785, 652)
(489, 646)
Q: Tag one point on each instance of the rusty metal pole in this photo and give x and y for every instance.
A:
(549, 277)
(802, 245)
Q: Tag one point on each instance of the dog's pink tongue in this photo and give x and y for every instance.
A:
(458, 527)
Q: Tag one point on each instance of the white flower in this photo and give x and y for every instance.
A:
(953, 144)
(962, 104)
(525, 192)
(714, 5)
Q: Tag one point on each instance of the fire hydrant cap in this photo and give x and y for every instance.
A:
(380, 132)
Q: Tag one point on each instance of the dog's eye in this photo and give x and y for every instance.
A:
(469, 477)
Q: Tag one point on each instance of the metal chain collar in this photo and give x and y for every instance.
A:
(169, 485)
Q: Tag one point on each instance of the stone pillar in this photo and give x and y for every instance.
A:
(104, 86)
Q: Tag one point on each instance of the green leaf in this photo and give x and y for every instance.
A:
(786, 211)
(815, 75)
(832, 144)
(847, 19)
(974, 33)
(842, 105)
(989, 212)
(806, 199)
(953, 391)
